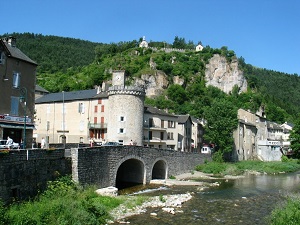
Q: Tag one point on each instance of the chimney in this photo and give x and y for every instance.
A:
(12, 41)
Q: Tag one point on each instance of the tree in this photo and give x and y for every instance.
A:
(179, 43)
(295, 138)
(221, 121)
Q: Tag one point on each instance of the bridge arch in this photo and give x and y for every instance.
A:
(130, 171)
(159, 169)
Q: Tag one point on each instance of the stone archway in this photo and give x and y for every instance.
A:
(130, 173)
(159, 170)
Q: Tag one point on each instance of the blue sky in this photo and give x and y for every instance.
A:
(266, 33)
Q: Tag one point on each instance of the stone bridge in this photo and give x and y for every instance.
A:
(120, 165)
(25, 173)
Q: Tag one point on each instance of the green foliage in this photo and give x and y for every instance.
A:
(242, 166)
(71, 64)
(64, 203)
(3, 214)
(221, 121)
(218, 157)
(289, 214)
(295, 138)
(280, 91)
(284, 158)
(212, 167)
(161, 198)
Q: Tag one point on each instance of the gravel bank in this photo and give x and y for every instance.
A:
(167, 203)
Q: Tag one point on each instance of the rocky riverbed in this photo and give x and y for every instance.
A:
(167, 203)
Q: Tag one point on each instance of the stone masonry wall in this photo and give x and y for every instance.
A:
(100, 165)
(23, 173)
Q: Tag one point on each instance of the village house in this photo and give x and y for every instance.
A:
(258, 138)
(17, 91)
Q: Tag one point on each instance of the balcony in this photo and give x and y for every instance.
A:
(154, 127)
(97, 125)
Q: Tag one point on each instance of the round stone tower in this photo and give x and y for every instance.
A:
(126, 111)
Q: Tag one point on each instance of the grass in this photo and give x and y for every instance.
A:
(238, 168)
(62, 203)
(288, 214)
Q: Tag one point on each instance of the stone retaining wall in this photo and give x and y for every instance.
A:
(24, 172)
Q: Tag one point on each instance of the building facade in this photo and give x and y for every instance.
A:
(257, 138)
(110, 114)
(17, 91)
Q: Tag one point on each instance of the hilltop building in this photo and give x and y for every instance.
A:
(144, 43)
(17, 91)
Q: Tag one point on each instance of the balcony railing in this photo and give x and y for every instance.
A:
(154, 127)
(97, 125)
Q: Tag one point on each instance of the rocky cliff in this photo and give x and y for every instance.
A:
(218, 73)
(223, 75)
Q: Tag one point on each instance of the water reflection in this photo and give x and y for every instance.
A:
(244, 201)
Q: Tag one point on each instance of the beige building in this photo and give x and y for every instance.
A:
(17, 91)
(257, 138)
(115, 114)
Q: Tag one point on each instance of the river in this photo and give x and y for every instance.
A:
(248, 200)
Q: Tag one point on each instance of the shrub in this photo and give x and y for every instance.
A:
(288, 215)
(212, 167)
(284, 158)
(218, 157)
(64, 203)
(3, 216)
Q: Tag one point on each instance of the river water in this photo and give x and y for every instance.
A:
(248, 200)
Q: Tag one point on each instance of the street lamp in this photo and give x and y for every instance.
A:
(23, 97)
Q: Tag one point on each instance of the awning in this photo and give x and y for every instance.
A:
(17, 126)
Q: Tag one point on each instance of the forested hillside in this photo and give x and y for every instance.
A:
(72, 64)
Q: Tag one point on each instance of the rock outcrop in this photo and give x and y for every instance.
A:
(223, 75)
(154, 84)
(219, 73)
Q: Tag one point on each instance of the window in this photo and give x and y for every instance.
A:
(14, 106)
(95, 119)
(122, 118)
(162, 123)
(81, 140)
(121, 142)
(96, 109)
(170, 136)
(171, 124)
(81, 108)
(16, 80)
(102, 108)
(121, 130)
(99, 101)
(161, 135)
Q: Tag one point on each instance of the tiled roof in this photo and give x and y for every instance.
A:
(16, 53)
(68, 96)
(183, 118)
(39, 88)
(156, 111)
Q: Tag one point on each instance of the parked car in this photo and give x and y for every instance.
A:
(110, 143)
(3, 145)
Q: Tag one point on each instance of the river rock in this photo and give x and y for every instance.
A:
(108, 191)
